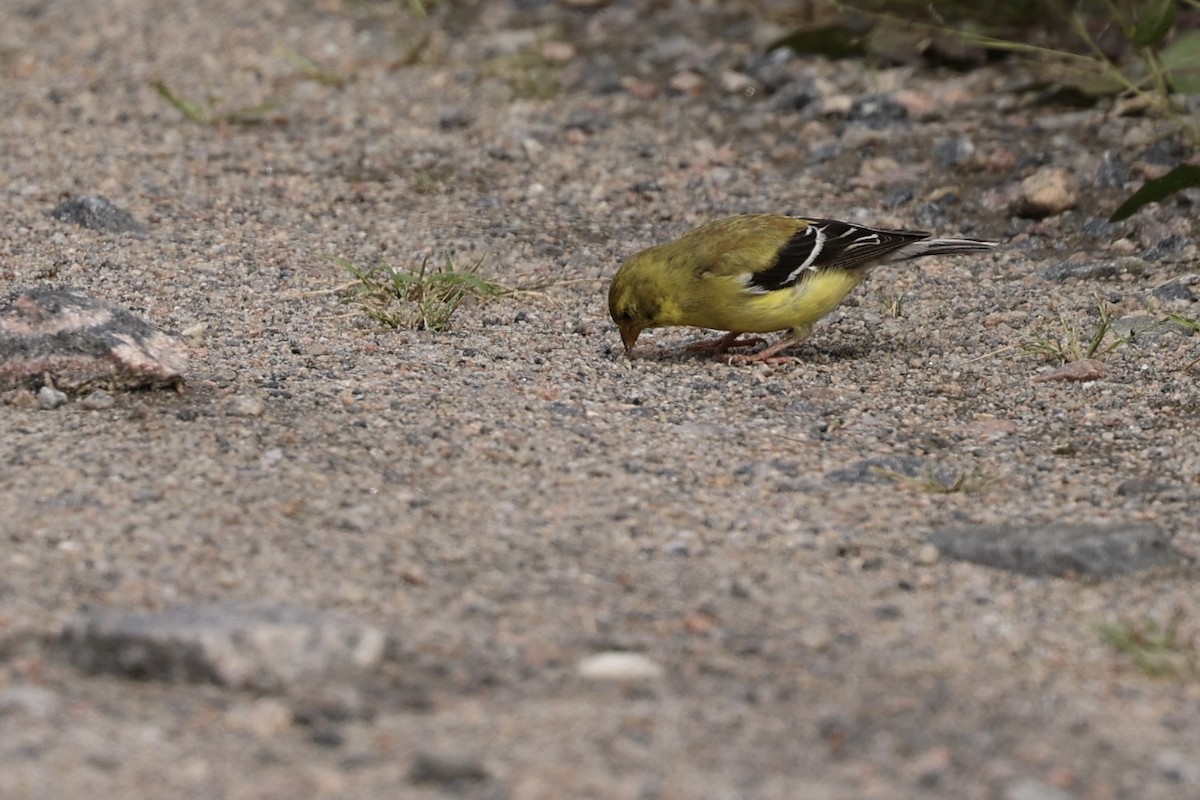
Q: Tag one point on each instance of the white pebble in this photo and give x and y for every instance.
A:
(928, 554)
(617, 666)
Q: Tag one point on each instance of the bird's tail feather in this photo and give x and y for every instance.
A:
(941, 247)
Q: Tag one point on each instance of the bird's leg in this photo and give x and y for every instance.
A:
(720, 345)
(769, 355)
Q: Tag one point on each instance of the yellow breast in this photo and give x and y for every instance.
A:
(794, 307)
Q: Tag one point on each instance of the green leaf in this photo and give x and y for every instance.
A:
(1181, 61)
(1182, 177)
(1154, 23)
(831, 41)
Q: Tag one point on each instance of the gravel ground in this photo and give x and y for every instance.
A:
(512, 497)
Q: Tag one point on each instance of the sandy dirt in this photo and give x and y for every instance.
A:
(511, 496)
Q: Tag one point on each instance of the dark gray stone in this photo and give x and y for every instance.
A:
(97, 213)
(264, 648)
(953, 151)
(1111, 172)
(1174, 291)
(78, 343)
(1168, 247)
(878, 111)
(455, 119)
(1095, 270)
(1144, 486)
(446, 768)
(1059, 549)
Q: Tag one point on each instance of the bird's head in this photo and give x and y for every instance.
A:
(636, 298)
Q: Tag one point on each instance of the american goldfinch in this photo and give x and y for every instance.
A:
(758, 273)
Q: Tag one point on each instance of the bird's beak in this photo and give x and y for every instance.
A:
(629, 336)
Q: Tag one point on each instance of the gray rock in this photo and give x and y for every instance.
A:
(240, 405)
(1059, 549)
(97, 213)
(98, 400)
(446, 768)
(455, 119)
(878, 111)
(1095, 270)
(78, 343)
(1030, 789)
(1168, 247)
(1142, 486)
(1178, 766)
(1174, 292)
(32, 701)
(50, 398)
(953, 151)
(1148, 328)
(795, 95)
(245, 646)
(1111, 173)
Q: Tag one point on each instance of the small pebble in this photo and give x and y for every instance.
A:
(1112, 172)
(50, 398)
(837, 105)
(817, 637)
(558, 52)
(446, 768)
(1030, 789)
(736, 82)
(263, 718)
(241, 405)
(953, 151)
(928, 554)
(1046, 193)
(686, 82)
(98, 400)
(618, 667)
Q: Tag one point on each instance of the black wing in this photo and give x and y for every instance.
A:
(829, 244)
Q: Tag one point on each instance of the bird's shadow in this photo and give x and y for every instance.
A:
(804, 353)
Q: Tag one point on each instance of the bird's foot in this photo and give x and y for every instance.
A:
(721, 344)
(769, 355)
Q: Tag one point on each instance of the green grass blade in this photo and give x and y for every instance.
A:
(1181, 177)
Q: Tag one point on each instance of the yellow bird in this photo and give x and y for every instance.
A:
(758, 273)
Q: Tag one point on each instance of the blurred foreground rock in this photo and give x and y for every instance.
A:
(1059, 549)
(242, 646)
(98, 213)
(75, 343)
